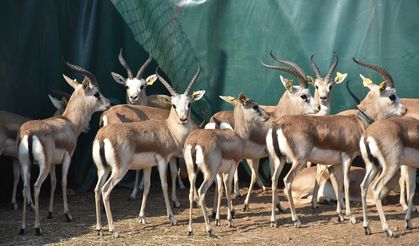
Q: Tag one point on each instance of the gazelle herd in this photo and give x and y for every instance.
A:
(154, 130)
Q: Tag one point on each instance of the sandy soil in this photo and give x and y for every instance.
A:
(319, 226)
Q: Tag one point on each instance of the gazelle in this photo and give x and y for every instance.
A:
(328, 139)
(9, 127)
(141, 145)
(136, 95)
(386, 145)
(216, 152)
(52, 141)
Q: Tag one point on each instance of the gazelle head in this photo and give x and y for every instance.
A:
(181, 103)
(134, 85)
(58, 104)
(86, 96)
(324, 85)
(381, 101)
(299, 97)
(246, 109)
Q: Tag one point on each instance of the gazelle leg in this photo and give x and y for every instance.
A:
(208, 180)
(192, 178)
(116, 176)
(43, 173)
(173, 172)
(218, 196)
(319, 172)
(236, 182)
(134, 192)
(278, 165)
(162, 167)
(146, 178)
(370, 173)
(337, 184)
(25, 170)
(288, 182)
(53, 185)
(65, 167)
(102, 174)
(346, 165)
(403, 184)
(253, 165)
(181, 171)
(410, 192)
(228, 178)
(16, 176)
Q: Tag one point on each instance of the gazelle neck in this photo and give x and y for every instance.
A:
(242, 127)
(284, 106)
(78, 112)
(324, 106)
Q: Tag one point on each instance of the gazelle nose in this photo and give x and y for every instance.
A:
(133, 98)
(323, 98)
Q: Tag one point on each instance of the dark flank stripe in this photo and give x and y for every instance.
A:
(102, 153)
(371, 158)
(30, 147)
(275, 142)
(193, 154)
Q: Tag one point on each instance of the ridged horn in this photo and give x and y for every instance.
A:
(315, 68)
(290, 63)
(124, 64)
(386, 76)
(297, 75)
(165, 83)
(193, 80)
(144, 66)
(84, 72)
(333, 66)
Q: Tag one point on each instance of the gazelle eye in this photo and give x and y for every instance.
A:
(97, 95)
(392, 97)
(142, 87)
(330, 87)
(304, 97)
(256, 107)
(126, 87)
(174, 106)
(316, 87)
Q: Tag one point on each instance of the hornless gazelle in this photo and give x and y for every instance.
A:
(328, 139)
(9, 127)
(295, 100)
(141, 145)
(216, 152)
(52, 141)
(386, 145)
(136, 95)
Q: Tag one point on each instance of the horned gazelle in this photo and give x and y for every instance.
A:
(328, 139)
(141, 145)
(9, 127)
(136, 95)
(216, 152)
(52, 141)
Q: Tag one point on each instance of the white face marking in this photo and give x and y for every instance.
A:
(182, 106)
(134, 88)
(323, 87)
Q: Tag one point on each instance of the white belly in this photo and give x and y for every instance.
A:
(411, 157)
(325, 156)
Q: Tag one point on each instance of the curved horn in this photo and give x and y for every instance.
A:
(165, 83)
(124, 64)
(193, 80)
(314, 66)
(333, 66)
(144, 66)
(84, 72)
(59, 92)
(386, 76)
(303, 82)
(290, 63)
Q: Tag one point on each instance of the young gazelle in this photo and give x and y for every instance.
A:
(386, 145)
(328, 139)
(295, 100)
(136, 94)
(9, 127)
(216, 152)
(119, 147)
(52, 141)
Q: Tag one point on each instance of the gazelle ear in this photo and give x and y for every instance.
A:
(340, 77)
(310, 80)
(382, 86)
(229, 99)
(86, 83)
(57, 104)
(242, 98)
(72, 82)
(151, 79)
(64, 102)
(366, 81)
(118, 78)
(287, 83)
(163, 99)
(197, 95)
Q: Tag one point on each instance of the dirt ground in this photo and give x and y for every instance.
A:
(319, 226)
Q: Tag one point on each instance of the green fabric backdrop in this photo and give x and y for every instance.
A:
(227, 38)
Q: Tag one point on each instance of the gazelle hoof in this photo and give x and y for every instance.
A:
(389, 233)
(68, 217)
(115, 234)
(176, 204)
(50, 215)
(217, 222)
(22, 231)
(297, 224)
(213, 215)
(367, 230)
(274, 224)
(280, 209)
(233, 213)
(352, 219)
(340, 218)
(141, 219)
(38, 231)
(14, 206)
(314, 206)
(246, 207)
(173, 222)
(99, 232)
(132, 198)
(408, 225)
(190, 233)
(231, 224)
